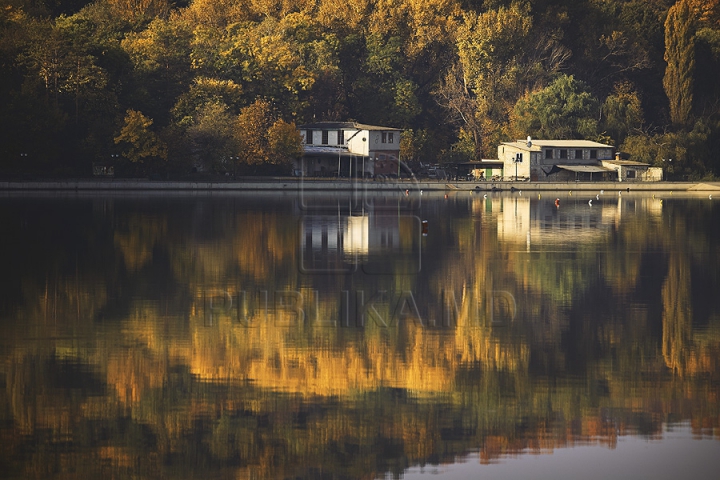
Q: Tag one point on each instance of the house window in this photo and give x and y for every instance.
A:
(309, 137)
(383, 137)
(593, 154)
(341, 137)
(578, 154)
(324, 137)
(631, 174)
(391, 137)
(549, 153)
(563, 153)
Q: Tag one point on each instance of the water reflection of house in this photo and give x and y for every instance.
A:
(335, 241)
(525, 220)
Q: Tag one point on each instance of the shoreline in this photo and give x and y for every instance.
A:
(302, 184)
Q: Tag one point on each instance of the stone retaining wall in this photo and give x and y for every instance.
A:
(293, 184)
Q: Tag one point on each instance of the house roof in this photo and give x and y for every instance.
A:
(345, 125)
(584, 168)
(537, 145)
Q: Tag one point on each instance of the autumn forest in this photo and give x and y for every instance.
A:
(156, 86)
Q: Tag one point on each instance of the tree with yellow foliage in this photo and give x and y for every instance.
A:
(138, 141)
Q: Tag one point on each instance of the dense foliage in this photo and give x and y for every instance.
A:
(204, 82)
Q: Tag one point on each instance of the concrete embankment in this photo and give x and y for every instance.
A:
(295, 184)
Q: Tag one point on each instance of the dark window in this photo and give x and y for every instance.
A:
(324, 137)
(593, 153)
(631, 174)
(309, 137)
(341, 137)
(383, 137)
(391, 138)
(549, 153)
(578, 154)
(563, 153)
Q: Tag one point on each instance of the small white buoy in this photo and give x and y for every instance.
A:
(619, 194)
(590, 202)
(597, 197)
(710, 196)
(520, 192)
(602, 192)
(420, 192)
(485, 196)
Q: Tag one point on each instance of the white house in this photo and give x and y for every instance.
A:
(630, 171)
(556, 160)
(348, 149)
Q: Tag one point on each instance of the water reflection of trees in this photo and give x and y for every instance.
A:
(111, 358)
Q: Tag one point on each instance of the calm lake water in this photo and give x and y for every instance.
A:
(360, 336)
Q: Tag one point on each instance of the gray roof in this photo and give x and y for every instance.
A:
(344, 126)
(584, 168)
(538, 144)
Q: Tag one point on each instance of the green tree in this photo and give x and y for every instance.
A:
(622, 112)
(501, 56)
(162, 68)
(202, 92)
(211, 135)
(138, 141)
(680, 58)
(565, 109)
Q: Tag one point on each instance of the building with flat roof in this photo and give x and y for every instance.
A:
(555, 160)
(570, 160)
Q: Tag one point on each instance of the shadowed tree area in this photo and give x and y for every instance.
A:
(460, 76)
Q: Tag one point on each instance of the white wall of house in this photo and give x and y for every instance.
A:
(508, 154)
(357, 144)
(543, 154)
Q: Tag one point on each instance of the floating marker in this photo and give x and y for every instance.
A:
(590, 202)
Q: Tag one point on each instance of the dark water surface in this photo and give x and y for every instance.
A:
(323, 336)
